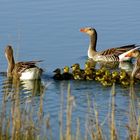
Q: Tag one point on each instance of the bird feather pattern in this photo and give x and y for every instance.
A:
(22, 66)
(119, 50)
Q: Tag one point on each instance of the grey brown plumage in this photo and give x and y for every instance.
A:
(19, 69)
(111, 54)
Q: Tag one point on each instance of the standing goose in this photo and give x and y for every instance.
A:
(21, 70)
(112, 54)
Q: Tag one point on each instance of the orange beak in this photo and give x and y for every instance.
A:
(129, 54)
(83, 30)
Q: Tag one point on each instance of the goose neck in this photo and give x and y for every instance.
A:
(93, 41)
(11, 65)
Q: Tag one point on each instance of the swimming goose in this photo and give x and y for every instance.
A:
(21, 70)
(77, 72)
(57, 75)
(66, 74)
(111, 54)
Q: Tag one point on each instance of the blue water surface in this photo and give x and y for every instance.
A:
(49, 31)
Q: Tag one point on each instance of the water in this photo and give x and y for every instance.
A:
(49, 31)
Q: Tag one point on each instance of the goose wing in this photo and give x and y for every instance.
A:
(119, 50)
(22, 66)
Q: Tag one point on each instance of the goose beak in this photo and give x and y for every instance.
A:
(83, 30)
(128, 54)
(133, 52)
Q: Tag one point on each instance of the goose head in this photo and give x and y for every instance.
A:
(57, 71)
(89, 30)
(9, 52)
(75, 66)
(115, 74)
(66, 69)
(133, 54)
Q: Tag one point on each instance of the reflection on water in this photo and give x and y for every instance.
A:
(3, 74)
(59, 42)
(82, 91)
(127, 66)
(32, 86)
(30, 93)
(109, 65)
(26, 87)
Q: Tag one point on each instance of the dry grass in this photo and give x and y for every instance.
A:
(113, 131)
(17, 123)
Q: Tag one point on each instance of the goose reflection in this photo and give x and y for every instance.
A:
(98, 65)
(35, 87)
(108, 65)
(4, 74)
(24, 87)
(127, 66)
